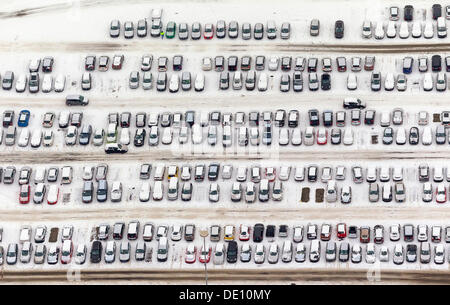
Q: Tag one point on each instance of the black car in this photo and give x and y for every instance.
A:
(436, 63)
(232, 63)
(411, 253)
(408, 13)
(213, 171)
(96, 252)
(325, 82)
(85, 134)
(313, 117)
(258, 31)
(177, 63)
(258, 232)
(286, 63)
(388, 135)
(369, 117)
(312, 64)
(47, 64)
(293, 118)
(139, 137)
(336, 135)
(118, 229)
(437, 11)
(270, 231)
(339, 29)
(89, 63)
(190, 117)
(327, 116)
(8, 118)
(414, 136)
(232, 252)
(88, 191)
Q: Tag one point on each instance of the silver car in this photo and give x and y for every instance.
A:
(140, 251)
(134, 80)
(124, 252)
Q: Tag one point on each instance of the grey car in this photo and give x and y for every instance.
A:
(88, 192)
(40, 253)
(102, 190)
(140, 251)
(11, 254)
(134, 80)
(285, 32)
(314, 27)
(114, 29)
(10, 137)
(186, 81)
(141, 28)
(233, 29)
(330, 251)
(246, 31)
(344, 252)
(128, 29)
(196, 31)
(124, 252)
(374, 192)
(183, 31)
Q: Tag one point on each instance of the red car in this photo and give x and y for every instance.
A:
(204, 256)
(24, 196)
(341, 230)
(245, 233)
(208, 32)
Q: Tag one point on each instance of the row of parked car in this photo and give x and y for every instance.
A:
(195, 31)
(287, 63)
(229, 247)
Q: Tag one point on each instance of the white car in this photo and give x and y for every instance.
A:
(36, 138)
(379, 31)
(24, 137)
(389, 82)
(367, 29)
(167, 136)
(47, 83)
(158, 191)
(174, 83)
(296, 138)
(21, 83)
(428, 31)
(116, 191)
(197, 134)
(391, 30)
(370, 253)
(260, 254)
(284, 136)
(352, 81)
(48, 138)
(53, 193)
(427, 136)
(400, 137)
(71, 135)
(428, 82)
(60, 83)
(309, 136)
(144, 193)
(125, 136)
(404, 30)
(199, 83)
(262, 82)
(273, 63)
(441, 193)
(416, 31)
(348, 136)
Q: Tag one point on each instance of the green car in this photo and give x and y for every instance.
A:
(171, 29)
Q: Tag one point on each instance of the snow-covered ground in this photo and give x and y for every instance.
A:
(70, 30)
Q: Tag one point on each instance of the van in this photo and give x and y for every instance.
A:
(159, 172)
(163, 249)
(133, 229)
(286, 254)
(76, 99)
(314, 252)
(66, 175)
(147, 234)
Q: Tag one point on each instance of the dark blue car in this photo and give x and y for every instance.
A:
(24, 117)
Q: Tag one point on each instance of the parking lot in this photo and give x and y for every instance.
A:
(301, 129)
